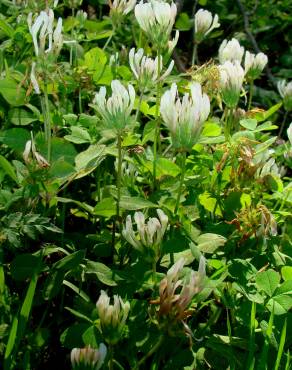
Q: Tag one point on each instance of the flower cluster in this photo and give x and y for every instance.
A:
(117, 109)
(112, 317)
(285, 90)
(88, 358)
(204, 24)
(184, 118)
(147, 70)
(230, 51)
(254, 65)
(176, 294)
(230, 83)
(43, 29)
(156, 18)
(148, 237)
(119, 9)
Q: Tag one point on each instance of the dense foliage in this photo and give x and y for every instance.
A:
(145, 171)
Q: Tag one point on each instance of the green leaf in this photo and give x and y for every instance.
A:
(12, 92)
(8, 169)
(280, 304)
(268, 281)
(79, 314)
(209, 203)
(164, 167)
(10, 343)
(6, 28)
(286, 272)
(249, 123)
(103, 273)
(96, 62)
(77, 290)
(15, 138)
(135, 203)
(183, 22)
(262, 116)
(106, 208)
(70, 262)
(21, 117)
(82, 205)
(53, 284)
(87, 161)
(78, 135)
(211, 129)
(72, 336)
(209, 243)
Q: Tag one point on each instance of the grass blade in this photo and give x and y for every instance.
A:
(281, 345)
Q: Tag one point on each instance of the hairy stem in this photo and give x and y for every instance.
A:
(182, 177)
(251, 86)
(157, 129)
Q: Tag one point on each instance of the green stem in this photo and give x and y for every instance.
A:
(72, 36)
(150, 353)
(139, 104)
(154, 271)
(109, 39)
(195, 59)
(182, 177)
(157, 128)
(283, 125)
(47, 120)
(111, 358)
(251, 86)
(228, 123)
(119, 175)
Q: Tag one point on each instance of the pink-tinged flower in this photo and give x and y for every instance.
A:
(176, 294)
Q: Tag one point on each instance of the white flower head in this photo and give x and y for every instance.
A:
(156, 18)
(112, 316)
(231, 80)
(230, 51)
(184, 117)
(254, 64)
(148, 237)
(146, 70)
(122, 7)
(116, 110)
(204, 24)
(89, 357)
(285, 90)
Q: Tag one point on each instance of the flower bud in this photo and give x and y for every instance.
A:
(184, 118)
(254, 65)
(176, 294)
(230, 51)
(148, 237)
(116, 110)
(156, 18)
(146, 69)
(230, 82)
(204, 24)
(88, 358)
(285, 90)
(112, 317)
